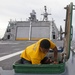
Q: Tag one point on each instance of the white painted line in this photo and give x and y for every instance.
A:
(9, 56)
(8, 43)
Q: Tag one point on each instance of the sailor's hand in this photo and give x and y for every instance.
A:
(51, 61)
(55, 62)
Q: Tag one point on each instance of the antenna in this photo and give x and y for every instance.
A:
(45, 14)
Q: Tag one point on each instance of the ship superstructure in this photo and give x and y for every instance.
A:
(33, 29)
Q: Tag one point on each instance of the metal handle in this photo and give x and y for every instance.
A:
(71, 32)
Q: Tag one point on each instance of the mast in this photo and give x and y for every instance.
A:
(45, 14)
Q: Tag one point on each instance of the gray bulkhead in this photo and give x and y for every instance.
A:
(21, 30)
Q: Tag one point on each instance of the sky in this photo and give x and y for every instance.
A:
(20, 10)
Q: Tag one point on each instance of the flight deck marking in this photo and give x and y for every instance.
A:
(9, 56)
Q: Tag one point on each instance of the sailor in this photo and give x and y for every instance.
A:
(36, 53)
